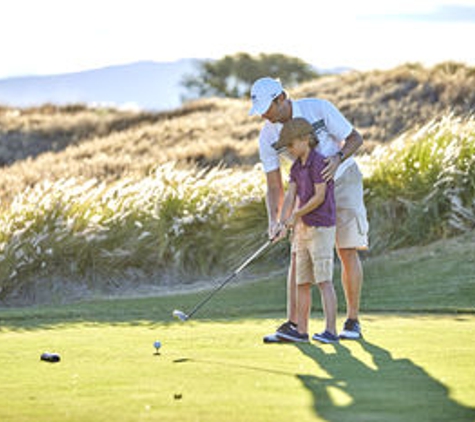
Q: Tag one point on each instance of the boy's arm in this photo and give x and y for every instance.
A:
(314, 202)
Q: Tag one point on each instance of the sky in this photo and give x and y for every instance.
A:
(41, 37)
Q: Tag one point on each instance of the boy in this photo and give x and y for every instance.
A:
(313, 221)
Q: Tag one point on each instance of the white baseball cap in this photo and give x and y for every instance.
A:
(263, 92)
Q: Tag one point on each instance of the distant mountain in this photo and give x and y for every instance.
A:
(146, 85)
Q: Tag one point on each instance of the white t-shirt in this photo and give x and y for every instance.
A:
(331, 129)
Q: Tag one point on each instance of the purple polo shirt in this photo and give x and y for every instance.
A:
(305, 177)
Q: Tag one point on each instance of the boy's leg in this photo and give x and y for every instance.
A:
(329, 302)
(322, 256)
(291, 323)
(302, 276)
(303, 305)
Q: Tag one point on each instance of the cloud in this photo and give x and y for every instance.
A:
(445, 13)
(449, 13)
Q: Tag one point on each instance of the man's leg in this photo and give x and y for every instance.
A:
(352, 234)
(352, 281)
(292, 291)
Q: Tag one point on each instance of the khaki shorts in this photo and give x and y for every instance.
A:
(313, 248)
(351, 221)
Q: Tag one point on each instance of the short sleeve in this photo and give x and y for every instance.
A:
(267, 154)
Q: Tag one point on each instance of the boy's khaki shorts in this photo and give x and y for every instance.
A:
(351, 220)
(313, 248)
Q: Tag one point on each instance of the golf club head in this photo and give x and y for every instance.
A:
(180, 315)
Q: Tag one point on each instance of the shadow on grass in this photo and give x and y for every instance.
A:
(390, 390)
(236, 365)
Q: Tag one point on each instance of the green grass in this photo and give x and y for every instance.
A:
(412, 366)
(409, 368)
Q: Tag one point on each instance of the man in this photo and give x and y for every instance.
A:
(337, 141)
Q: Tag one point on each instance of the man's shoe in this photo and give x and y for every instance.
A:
(326, 337)
(351, 330)
(273, 338)
(293, 336)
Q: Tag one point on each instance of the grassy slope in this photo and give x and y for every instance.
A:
(107, 144)
(205, 132)
(437, 277)
(384, 104)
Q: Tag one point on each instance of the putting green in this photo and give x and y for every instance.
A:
(408, 368)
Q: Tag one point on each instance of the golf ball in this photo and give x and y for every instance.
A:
(157, 345)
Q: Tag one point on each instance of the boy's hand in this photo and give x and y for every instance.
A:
(290, 223)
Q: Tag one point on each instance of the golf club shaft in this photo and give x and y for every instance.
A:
(230, 277)
(252, 257)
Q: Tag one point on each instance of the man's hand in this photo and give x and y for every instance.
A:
(329, 171)
(274, 230)
(278, 233)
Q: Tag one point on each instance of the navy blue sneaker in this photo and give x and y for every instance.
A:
(351, 330)
(292, 335)
(326, 337)
(274, 338)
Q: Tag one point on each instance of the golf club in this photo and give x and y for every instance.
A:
(184, 317)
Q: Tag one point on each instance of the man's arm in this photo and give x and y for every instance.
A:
(352, 143)
(274, 199)
(289, 203)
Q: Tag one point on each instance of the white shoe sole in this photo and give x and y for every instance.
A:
(350, 335)
(272, 338)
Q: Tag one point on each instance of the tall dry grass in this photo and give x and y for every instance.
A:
(421, 187)
(108, 206)
(177, 222)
